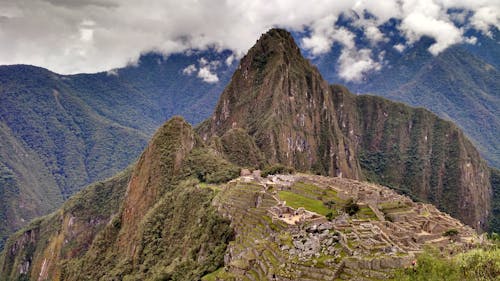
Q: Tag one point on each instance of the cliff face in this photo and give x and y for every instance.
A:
(296, 119)
(37, 251)
(417, 153)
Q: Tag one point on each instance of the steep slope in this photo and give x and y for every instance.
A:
(283, 103)
(417, 153)
(64, 234)
(283, 231)
(288, 227)
(25, 189)
(461, 84)
(157, 221)
(280, 99)
(62, 132)
(495, 205)
(53, 144)
(151, 222)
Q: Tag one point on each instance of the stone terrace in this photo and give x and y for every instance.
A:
(277, 242)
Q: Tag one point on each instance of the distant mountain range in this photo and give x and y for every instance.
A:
(461, 84)
(62, 132)
(182, 212)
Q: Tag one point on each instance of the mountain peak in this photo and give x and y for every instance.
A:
(274, 45)
(280, 99)
(277, 38)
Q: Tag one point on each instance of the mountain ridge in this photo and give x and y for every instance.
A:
(77, 129)
(182, 212)
(300, 122)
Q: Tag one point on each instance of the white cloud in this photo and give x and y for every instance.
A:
(485, 17)
(230, 59)
(354, 64)
(374, 34)
(188, 70)
(97, 35)
(203, 61)
(471, 40)
(416, 25)
(399, 47)
(207, 76)
(206, 70)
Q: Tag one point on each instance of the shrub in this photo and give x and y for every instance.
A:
(277, 169)
(351, 207)
(478, 265)
(451, 232)
(329, 204)
(329, 216)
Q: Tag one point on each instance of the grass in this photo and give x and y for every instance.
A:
(212, 276)
(366, 213)
(212, 187)
(296, 201)
(477, 264)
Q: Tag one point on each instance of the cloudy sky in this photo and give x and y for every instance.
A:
(72, 36)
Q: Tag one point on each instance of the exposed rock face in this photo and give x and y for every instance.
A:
(154, 174)
(280, 99)
(159, 221)
(296, 119)
(37, 251)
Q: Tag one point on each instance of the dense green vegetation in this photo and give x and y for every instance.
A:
(63, 132)
(207, 167)
(89, 211)
(410, 150)
(459, 84)
(8, 193)
(178, 236)
(494, 223)
(182, 238)
(241, 149)
(478, 265)
(277, 169)
(165, 227)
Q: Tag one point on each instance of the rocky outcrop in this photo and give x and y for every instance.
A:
(163, 219)
(281, 100)
(153, 222)
(296, 119)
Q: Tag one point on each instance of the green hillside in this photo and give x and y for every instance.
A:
(62, 132)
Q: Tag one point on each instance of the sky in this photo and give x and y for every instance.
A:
(74, 36)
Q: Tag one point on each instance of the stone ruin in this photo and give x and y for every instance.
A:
(365, 248)
(290, 215)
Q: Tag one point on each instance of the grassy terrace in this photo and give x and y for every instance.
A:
(313, 191)
(296, 201)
